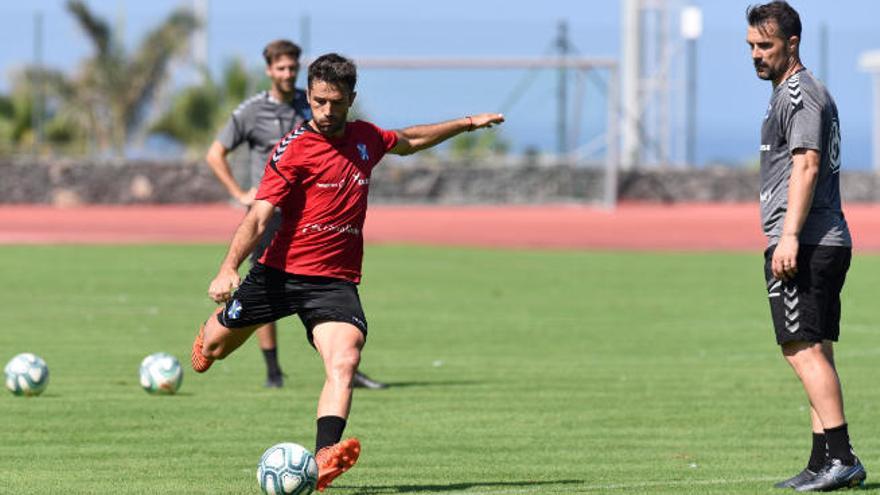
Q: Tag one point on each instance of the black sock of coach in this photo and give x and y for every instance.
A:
(838, 444)
(271, 357)
(330, 430)
(819, 453)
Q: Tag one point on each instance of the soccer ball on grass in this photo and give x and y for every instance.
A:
(161, 373)
(287, 469)
(26, 374)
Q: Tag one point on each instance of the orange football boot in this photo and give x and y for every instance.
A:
(335, 460)
(200, 363)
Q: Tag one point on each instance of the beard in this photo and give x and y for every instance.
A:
(330, 128)
(285, 86)
(765, 72)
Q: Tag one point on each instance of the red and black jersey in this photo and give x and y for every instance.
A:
(321, 184)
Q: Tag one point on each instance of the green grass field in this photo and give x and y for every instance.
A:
(514, 372)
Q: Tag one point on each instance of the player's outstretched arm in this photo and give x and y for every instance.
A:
(419, 137)
(246, 236)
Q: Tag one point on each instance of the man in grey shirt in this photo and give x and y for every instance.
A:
(809, 245)
(261, 121)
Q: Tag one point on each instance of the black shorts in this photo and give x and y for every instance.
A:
(267, 295)
(807, 308)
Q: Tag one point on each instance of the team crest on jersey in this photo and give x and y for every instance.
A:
(234, 310)
(362, 149)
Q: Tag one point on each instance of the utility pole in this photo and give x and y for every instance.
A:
(823, 52)
(562, 91)
(37, 95)
(305, 34)
(200, 37)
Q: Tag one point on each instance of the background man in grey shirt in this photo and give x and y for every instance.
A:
(261, 121)
(809, 242)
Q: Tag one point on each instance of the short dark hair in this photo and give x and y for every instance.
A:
(333, 68)
(279, 48)
(786, 18)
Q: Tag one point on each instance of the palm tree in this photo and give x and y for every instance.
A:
(61, 125)
(197, 112)
(478, 146)
(112, 90)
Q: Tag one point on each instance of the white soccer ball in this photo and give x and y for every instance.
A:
(161, 373)
(26, 374)
(287, 469)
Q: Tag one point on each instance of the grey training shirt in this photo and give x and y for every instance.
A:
(802, 114)
(261, 121)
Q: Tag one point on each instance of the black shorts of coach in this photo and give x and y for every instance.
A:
(807, 308)
(268, 294)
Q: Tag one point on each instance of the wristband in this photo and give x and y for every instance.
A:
(470, 123)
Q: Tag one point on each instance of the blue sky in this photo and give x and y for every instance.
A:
(731, 98)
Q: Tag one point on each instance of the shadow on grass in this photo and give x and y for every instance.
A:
(435, 488)
(433, 384)
(869, 486)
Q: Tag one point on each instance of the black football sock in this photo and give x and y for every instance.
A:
(838, 444)
(330, 430)
(819, 453)
(271, 357)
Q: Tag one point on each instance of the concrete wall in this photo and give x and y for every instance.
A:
(70, 183)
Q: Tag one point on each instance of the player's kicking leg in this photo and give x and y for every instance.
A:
(215, 341)
(340, 347)
(261, 298)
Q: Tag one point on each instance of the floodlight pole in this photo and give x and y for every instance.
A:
(691, 29)
(612, 150)
(631, 81)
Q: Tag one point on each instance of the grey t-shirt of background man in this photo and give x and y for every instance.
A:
(802, 115)
(262, 121)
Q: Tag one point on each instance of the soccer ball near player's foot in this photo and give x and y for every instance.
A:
(161, 373)
(287, 469)
(26, 374)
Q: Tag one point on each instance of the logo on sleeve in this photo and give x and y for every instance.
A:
(794, 91)
(362, 149)
(834, 146)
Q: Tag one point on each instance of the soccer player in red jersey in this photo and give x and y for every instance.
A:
(319, 176)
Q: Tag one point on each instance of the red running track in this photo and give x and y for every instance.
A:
(629, 227)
